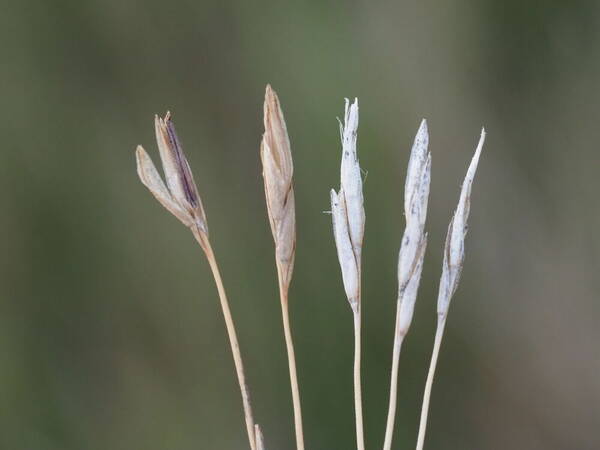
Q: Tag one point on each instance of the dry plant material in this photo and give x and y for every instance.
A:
(179, 195)
(410, 259)
(278, 170)
(348, 229)
(454, 257)
(182, 200)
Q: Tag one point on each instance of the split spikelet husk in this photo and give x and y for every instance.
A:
(180, 194)
(278, 170)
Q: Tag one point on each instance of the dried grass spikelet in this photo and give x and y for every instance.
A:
(347, 207)
(348, 215)
(454, 257)
(454, 249)
(414, 240)
(180, 195)
(278, 170)
(410, 258)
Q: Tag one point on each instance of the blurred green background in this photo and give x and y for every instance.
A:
(111, 336)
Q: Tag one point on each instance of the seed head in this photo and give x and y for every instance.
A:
(347, 207)
(180, 195)
(414, 240)
(278, 170)
(454, 249)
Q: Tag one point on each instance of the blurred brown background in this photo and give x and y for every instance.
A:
(111, 336)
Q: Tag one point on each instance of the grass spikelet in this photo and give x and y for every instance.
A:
(183, 201)
(454, 257)
(410, 259)
(278, 170)
(348, 229)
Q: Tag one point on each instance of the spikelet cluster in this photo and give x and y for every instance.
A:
(347, 207)
(180, 196)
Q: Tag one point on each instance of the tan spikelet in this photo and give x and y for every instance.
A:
(181, 198)
(278, 170)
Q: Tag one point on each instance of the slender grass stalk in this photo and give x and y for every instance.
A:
(232, 334)
(454, 258)
(358, 412)
(389, 430)
(278, 169)
(410, 257)
(292, 368)
(437, 343)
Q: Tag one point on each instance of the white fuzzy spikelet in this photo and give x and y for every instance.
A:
(414, 240)
(454, 250)
(347, 207)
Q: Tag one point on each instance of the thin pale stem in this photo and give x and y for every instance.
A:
(398, 339)
(292, 366)
(439, 334)
(233, 340)
(360, 439)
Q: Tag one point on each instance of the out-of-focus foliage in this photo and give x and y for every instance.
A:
(111, 335)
